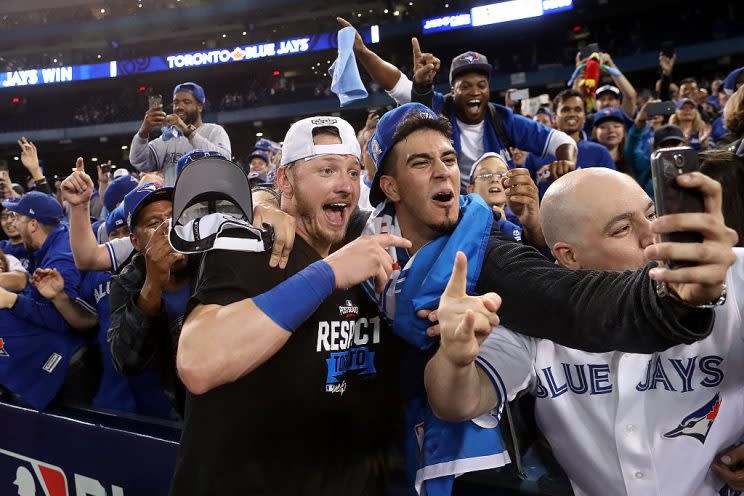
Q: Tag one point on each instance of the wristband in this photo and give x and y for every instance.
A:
(290, 303)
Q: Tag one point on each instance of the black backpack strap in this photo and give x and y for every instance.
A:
(498, 127)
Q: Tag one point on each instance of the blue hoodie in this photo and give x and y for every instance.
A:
(37, 342)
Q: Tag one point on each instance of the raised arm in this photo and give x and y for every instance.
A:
(220, 344)
(51, 286)
(630, 97)
(77, 189)
(382, 72)
(618, 311)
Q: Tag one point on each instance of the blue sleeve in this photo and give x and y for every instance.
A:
(605, 159)
(511, 230)
(438, 103)
(525, 134)
(87, 295)
(66, 267)
(39, 313)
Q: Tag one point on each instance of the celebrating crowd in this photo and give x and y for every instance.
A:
(406, 286)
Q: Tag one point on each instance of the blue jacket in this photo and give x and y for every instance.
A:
(37, 341)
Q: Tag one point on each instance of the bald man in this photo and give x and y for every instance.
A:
(618, 423)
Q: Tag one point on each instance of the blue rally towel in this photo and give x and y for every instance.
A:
(346, 82)
(437, 451)
(170, 132)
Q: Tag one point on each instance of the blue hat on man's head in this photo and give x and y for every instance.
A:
(116, 219)
(39, 206)
(196, 91)
(383, 141)
(610, 114)
(734, 77)
(258, 153)
(142, 196)
(117, 190)
(678, 104)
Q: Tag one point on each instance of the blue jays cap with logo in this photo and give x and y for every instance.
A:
(142, 196)
(117, 190)
(115, 219)
(610, 114)
(37, 205)
(383, 141)
(196, 91)
(469, 62)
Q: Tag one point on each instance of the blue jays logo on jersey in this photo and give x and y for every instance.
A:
(3, 353)
(698, 423)
(471, 57)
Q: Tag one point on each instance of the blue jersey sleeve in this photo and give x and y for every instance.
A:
(526, 134)
(437, 103)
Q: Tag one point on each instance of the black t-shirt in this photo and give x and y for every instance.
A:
(317, 418)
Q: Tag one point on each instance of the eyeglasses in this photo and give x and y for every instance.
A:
(8, 216)
(488, 176)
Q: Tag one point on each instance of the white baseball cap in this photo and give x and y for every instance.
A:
(121, 172)
(298, 143)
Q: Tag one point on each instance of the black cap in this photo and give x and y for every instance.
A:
(469, 62)
(668, 133)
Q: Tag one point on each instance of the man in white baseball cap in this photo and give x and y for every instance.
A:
(247, 369)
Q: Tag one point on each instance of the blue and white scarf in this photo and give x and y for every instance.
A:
(437, 451)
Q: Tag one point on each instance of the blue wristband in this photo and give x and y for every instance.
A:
(290, 303)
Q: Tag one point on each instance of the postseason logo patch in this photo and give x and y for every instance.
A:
(3, 353)
(349, 310)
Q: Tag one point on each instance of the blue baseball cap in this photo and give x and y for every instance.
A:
(116, 219)
(734, 77)
(678, 104)
(193, 88)
(257, 153)
(383, 141)
(37, 205)
(117, 190)
(610, 114)
(141, 196)
(260, 177)
(194, 155)
(545, 111)
(263, 144)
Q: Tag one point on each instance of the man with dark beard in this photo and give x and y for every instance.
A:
(148, 298)
(182, 131)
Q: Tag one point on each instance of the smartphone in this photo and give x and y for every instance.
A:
(660, 108)
(106, 168)
(589, 49)
(155, 101)
(667, 49)
(670, 198)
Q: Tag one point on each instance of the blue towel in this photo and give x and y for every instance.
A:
(346, 82)
(170, 132)
(436, 451)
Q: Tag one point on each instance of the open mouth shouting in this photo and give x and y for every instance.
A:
(337, 213)
(444, 198)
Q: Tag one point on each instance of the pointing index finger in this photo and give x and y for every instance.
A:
(459, 278)
(416, 49)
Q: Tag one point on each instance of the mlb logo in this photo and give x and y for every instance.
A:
(27, 477)
(3, 353)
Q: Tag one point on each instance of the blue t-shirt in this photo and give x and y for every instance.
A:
(142, 394)
(590, 155)
(718, 130)
(20, 252)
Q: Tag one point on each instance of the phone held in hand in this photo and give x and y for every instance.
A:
(660, 108)
(155, 101)
(667, 49)
(588, 50)
(106, 168)
(670, 198)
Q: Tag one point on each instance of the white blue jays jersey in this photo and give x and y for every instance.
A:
(623, 423)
